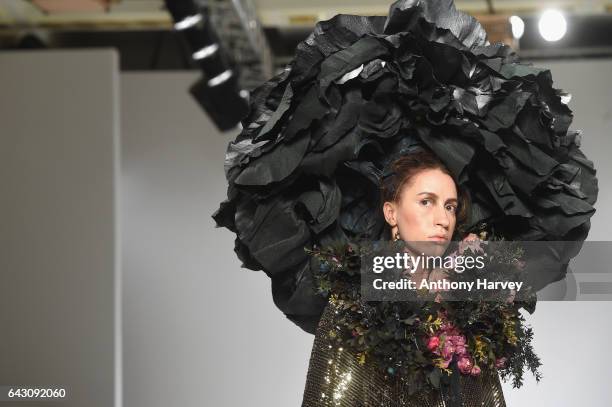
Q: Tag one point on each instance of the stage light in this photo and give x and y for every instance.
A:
(188, 22)
(518, 26)
(219, 79)
(205, 52)
(218, 91)
(552, 25)
(219, 98)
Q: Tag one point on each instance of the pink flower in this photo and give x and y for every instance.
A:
(460, 350)
(471, 242)
(453, 343)
(500, 362)
(433, 343)
(453, 259)
(511, 297)
(465, 365)
(457, 340)
(448, 350)
(475, 371)
(449, 329)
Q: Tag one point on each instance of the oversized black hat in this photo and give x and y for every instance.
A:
(307, 165)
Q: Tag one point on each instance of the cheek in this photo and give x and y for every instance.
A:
(409, 213)
(413, 221)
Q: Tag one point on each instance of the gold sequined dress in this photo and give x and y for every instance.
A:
(335, 378)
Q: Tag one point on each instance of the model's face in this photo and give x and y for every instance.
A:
(426, 211)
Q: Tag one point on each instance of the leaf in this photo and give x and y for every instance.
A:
(434, 377)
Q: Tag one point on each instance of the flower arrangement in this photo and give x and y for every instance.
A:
(419, 340)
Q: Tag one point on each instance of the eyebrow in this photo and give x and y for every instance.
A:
(431, 193)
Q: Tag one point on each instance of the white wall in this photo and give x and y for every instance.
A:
(59, 241)
(200, 331)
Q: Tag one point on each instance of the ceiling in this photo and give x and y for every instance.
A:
(146, 14)
(262, 35)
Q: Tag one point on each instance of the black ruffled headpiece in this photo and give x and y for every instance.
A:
(307, 166)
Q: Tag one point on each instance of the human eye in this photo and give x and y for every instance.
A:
(425, 201)
(452, 208)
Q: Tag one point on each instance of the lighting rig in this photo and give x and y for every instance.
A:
(218, 91)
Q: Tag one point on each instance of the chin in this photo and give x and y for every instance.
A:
(429, 247)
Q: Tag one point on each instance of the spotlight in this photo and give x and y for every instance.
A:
(205, 52)
(552, 25)
(518, 26)
(218, 91)
(188, 22)
(218, 96)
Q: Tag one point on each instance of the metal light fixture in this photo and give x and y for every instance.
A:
(218, 92)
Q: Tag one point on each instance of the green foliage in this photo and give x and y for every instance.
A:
(395, 334)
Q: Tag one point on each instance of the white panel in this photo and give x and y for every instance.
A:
(59, 287)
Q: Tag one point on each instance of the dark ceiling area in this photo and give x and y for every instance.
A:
(589, 36)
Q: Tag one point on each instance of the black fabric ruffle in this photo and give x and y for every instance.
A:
(360, 91)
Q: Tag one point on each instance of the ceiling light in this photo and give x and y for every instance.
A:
(552, 25)
(518, 26)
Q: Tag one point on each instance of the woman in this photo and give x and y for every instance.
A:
(420, 204)
(318, 144)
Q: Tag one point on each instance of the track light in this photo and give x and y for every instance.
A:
(205, 52)
(218, 91)
(188, 22)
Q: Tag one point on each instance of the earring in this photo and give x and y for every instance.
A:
(397, 236)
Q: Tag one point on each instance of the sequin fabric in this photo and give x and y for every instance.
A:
(336, 378)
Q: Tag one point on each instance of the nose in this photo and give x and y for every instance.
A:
(441, 217)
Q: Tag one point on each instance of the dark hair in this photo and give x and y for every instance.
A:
(403, 171)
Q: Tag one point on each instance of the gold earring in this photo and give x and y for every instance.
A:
(397, 236)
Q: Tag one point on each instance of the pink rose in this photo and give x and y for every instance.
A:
(465, 365)
(510, 298)
(500, 362)
(448, 350)
(471, 242)
(475, 371)
(433, 343)
(460, 350)
(457, 340)
(449, 329)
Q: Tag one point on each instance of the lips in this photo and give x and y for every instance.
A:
(440, 238)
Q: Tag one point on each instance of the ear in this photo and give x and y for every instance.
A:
(390, 212)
